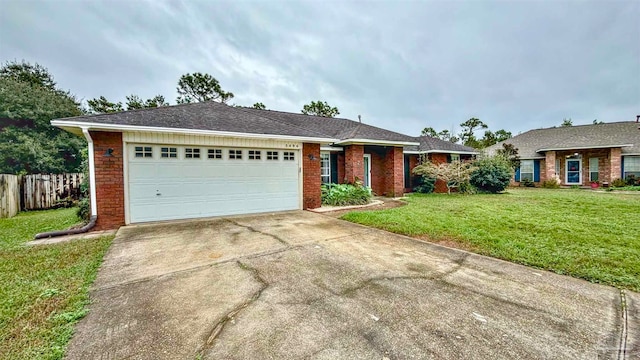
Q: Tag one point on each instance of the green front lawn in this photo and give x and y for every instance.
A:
(43, 289)
(586, 234)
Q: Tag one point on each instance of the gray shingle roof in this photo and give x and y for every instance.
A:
(215, 116)
(532, 143)
(430, 144)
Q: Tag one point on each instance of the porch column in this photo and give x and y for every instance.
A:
(394, 172)
(354, 163)
(550, 166)
(615, 158)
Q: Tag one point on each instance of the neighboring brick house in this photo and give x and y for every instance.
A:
(578, 155)
(210, 159)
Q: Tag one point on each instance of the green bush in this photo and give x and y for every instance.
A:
(345, 194)
(527, 183)
(552, 183)
(84, 209)
(618, 183)
(631, 180)
(426, 185)
(491, 174)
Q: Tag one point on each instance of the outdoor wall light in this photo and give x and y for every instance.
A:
(312, 157)
(108, 153)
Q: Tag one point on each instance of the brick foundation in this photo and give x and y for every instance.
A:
(109, 182)
(311, 182)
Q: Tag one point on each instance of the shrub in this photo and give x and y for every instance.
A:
(453, 174)
(84, 209)
(618, 183)
(426, 185)
(553, 183)
(345, 194)
(631, 180)
(527, 183)
(492, 174)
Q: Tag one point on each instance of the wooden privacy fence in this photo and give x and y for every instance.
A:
(9, 195)
(44, 191)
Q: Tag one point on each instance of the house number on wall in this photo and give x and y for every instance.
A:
(292, 146)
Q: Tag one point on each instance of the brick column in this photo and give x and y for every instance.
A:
(354, 163)
(549, 169)
(615, 158)
(394, 172)
(109, 179)
(311, 181)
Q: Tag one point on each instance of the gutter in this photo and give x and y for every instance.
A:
(92, 196)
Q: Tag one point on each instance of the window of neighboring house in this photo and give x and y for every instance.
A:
(455, 157)
(558, 167)
(288, 156)
(168, 152)
(631, 166)
(192, 153)
(143, 151)
(325, 168)
(526, 170)
(235, 154)
(214, 153)
(593, 169)
(254, 154)
(272, 155)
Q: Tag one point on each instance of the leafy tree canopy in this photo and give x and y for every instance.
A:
(320, 108)
(103, 106)
(259, 106)
(468, 132)
(567, 122)
(29, 100)
(199, 87)
(135, 102)
(32, 74)
(429, 131)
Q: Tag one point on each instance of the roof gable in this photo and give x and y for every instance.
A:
(213, 116)
(533, 143)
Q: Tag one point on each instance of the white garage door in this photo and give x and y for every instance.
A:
(181, 182)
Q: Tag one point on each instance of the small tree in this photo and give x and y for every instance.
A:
(491, 174)
(453, 174)
(259, 106)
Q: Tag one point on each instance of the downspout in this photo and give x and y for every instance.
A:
(92, 196)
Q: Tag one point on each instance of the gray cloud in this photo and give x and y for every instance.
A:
(402, 65)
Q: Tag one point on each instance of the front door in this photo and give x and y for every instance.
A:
(367, 171)
(574, 172)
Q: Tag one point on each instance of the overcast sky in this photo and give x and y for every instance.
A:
(401, 65)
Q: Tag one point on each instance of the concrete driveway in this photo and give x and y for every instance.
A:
(302, 285)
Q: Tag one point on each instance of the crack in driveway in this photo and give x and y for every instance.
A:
(219, 326)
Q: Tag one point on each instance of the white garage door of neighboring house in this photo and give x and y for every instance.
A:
(169, 182)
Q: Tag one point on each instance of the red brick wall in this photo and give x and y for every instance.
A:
(393, 172)
(437, 158)
(353, 163)
(311, 182)
(378, 170)
(615, 164)
(109, 180)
